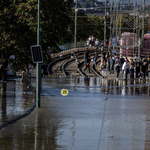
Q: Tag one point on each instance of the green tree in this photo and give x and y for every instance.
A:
(18, 27)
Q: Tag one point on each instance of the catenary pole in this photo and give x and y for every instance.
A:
(75, 30)
(38, 65)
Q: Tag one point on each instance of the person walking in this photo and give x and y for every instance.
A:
(88, 64)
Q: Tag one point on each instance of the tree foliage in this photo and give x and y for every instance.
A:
(18, 26)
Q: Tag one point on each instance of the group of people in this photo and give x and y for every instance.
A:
(136, 67)
(91, 41)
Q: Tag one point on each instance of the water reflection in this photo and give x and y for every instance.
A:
(14, 100)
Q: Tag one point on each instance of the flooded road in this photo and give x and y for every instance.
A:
(91, 117)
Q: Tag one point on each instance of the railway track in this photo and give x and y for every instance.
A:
(66, 66)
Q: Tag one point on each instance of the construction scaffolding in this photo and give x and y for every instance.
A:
(130, 24)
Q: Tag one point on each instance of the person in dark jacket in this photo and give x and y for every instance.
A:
(144, 69)
(132, 70)
(137, 69)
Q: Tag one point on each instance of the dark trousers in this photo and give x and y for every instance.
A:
(118, 74)
(132, 74)
(87, 67)
(137, 73)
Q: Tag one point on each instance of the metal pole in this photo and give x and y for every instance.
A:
(105, 22)
(38, 65)
(75, 30)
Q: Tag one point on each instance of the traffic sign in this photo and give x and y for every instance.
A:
(37, 54)
(63, 48)
(114, 41)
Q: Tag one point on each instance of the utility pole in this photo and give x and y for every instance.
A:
(75, 30)
(38, 65)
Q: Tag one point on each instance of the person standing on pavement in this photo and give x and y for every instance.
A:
(118, 69)
(122, 60)
(144, 69)
(124, 68)
(137, 69)
(108, 62)
(132, 70)
(104, 64)
(104, 55)
(116, 61)
(111, 65)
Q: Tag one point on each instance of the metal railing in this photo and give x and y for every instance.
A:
(80, 44)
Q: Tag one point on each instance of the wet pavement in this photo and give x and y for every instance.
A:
(18, 100)
(96, 115)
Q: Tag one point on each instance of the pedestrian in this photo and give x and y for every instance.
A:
(124, 68)
(88, 64)
(104, 64)
(87, 43)
(137, 69)
(104, 55)
(106, 42)
(86, 54)
(132, 70)
(95, 57)
(136, 58)
(108, 62)
(122, 60)
(97, 44)
(93, 40)
(111, 65)
(102, 47)
(144, 69)
(90, 41)
(118, 69)
(77, 61)
(117, 61)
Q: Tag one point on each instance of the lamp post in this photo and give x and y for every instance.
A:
(75, 30)
(38, 65)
